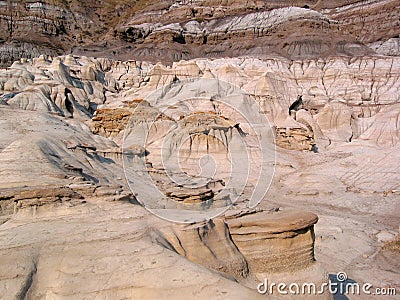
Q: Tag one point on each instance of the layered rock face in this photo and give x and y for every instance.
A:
(295, 139)
(275, 242)
(34, 28)
(310, 30)
(173, 30)
(247, 244)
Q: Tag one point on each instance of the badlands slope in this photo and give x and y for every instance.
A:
(72, 227)
(288, 116)
(173, 30)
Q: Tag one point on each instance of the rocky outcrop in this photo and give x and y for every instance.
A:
(33, 28)
(295, 139)
(391, 47)
(246, 242)
(291, 32)
(274, 241)
(12, 200)
(189, 196)
(369, 21)
(208, 244)
(189, 29)
(110, 122)
(56, 88)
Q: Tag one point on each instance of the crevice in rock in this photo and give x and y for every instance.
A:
(28, 282)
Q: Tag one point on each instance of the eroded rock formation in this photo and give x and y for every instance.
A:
(66, 157)
(248, 244)
(173, 30)
(274, 241)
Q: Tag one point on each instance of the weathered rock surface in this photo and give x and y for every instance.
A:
(391, 47)
(97, 250)
(294, 139)
(110, 122)
(344, 100)
(274, 241)
(173, 30)
(63, 122)
(207, 243)
(249, 244)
